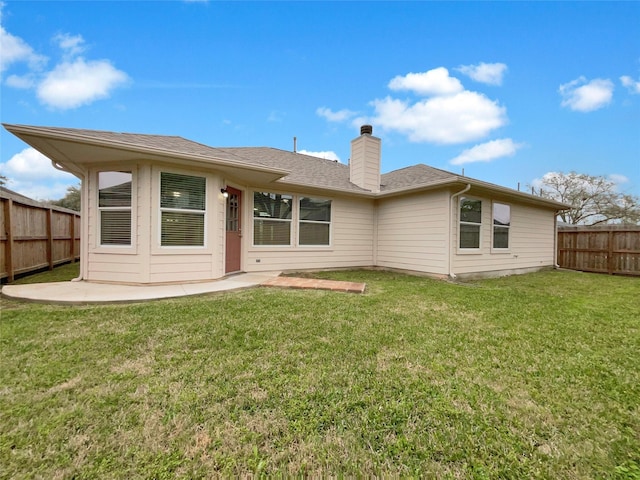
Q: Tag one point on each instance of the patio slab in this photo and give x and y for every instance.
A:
(82, 292)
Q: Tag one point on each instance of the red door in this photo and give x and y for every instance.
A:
(234, 230)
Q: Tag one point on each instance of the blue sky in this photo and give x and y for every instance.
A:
(509, 91)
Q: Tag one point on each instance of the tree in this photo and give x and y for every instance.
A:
(593, 199)
(3, 180)
(71, 200)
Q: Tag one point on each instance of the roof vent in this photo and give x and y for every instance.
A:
(366, 130)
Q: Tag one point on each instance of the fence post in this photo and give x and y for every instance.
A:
(610, 260)
(50, 238)
(8, 208)
(72, 236)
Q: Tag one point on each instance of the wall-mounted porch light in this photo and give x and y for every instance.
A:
(224, 192)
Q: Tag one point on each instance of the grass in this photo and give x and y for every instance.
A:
(533, 376)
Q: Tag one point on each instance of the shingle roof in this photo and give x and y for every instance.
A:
(303, 169)
(415, 175)
(293, 168)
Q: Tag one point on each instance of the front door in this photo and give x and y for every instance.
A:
(234, 230)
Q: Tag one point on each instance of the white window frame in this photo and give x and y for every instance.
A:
(494, 226)
(130, 209)
(162, 209)
(316, 222)
(289, 221)
(461, 222)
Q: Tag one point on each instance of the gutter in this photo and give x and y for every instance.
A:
(452, 275)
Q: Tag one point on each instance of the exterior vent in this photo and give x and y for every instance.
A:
(366, 130)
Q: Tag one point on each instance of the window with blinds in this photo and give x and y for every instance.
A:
(470, 222)
(272, 213)
(114, 207)
(182, 210)
(315, 221)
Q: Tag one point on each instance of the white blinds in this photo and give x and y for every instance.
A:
(182, 207)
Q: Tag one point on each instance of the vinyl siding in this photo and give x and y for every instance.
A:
(531, 241)
(352, 233)
(413, 232)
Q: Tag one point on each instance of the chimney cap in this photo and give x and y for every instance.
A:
(366, 130)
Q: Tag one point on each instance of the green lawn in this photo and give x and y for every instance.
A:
(533, 376)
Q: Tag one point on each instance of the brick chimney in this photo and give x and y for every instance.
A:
(364, 164)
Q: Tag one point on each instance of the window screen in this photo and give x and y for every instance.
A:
(470, 222)
(315, 221)
(272, 213)
(501, 225)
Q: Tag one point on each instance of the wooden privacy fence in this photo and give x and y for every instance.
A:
(612, 249)
(34, 236)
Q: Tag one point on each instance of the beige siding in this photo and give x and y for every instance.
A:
(352, 233)
(183, 267)
(531, 241)
(413, 232)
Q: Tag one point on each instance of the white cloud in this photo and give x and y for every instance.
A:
(630, 83)
(447, 113)
(339, 116)
(464, 117)
(31, 165)
(490, 73)
(327, 155)
(582, 96)
(432, 82)
(618, 179)
(21, 81)
(31, 174)
(486, 152)
(72, 84)
(71, 44)
(15, 50)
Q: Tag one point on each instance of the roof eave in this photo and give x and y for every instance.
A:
(22, 131)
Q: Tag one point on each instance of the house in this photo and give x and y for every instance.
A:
(159, 209)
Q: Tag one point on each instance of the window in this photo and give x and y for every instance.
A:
(114, 206)
(272, 218)
(470, 222)
(182, 210)
(501, 225)
(315, 221)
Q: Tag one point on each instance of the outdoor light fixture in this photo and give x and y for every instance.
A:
(224, 192)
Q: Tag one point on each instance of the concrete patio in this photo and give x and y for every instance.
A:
(82, 292)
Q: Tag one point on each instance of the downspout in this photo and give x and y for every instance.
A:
(84, 235)
(452, 209)
(555, 240)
